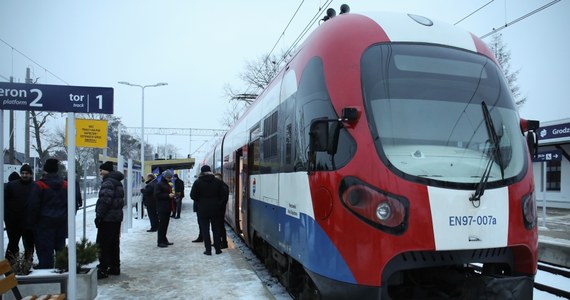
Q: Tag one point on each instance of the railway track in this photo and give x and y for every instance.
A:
(545, 267)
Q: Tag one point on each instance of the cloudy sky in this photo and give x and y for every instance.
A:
(198, 47)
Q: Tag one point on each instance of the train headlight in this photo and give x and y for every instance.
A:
(530, 216)
(377, 208)
(383, 211)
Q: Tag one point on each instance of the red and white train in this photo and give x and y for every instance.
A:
(387, 160)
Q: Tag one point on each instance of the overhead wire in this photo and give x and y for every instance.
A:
(472, 13)
(33, 61)
(519, 19)
(297, 40)
(287, 26)
(304, 32)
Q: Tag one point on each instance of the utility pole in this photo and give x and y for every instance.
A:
(27, 124)
(11, 147)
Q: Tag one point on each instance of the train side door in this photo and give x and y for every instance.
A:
(242, 192)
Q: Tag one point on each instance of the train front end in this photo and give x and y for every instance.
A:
(436, 199)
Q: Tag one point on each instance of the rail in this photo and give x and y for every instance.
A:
(546, 267)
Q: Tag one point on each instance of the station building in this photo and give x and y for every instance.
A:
(552, 165)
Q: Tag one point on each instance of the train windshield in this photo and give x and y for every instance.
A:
(441, 115)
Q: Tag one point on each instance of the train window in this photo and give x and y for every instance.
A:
(254, 150)
(451, 140)
(313, 102)
(285, 129)
(269, 160)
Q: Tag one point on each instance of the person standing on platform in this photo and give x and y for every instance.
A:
(164, 195)
(150, 202)
(48, 214)
(16, 201)
(223, 235)
(108, 218)
(209, 193)
(179, 191)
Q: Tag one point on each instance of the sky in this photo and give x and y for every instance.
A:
(198, 47)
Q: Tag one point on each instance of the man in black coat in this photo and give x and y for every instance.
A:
(16, 199)
(164, 195)
(179, 191)
(150, 202)
(108, 218)
(209, 193)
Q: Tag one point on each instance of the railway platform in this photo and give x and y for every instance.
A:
(554, 236)
(180, 271)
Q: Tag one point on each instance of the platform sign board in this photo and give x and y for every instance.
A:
(552, 155)
(90, 133)
(59, 98)
(554, 132)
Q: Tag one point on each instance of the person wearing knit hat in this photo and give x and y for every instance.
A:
(17, 195)
(26, 168)
(107, 166)
(108, 218)
(48, 214)
(51, 165)
(164, 196)
(205, 169)
(14, 176)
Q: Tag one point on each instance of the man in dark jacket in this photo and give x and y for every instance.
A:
(48, 214)
(16, 202)
(179, 194)
(108, 218)
(150, 202)
(209, 193)
(164, 195)
(220, 219)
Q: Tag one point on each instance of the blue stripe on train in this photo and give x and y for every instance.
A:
(301, 238)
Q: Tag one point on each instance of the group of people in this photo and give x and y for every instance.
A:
(163, 200)
(36, 212)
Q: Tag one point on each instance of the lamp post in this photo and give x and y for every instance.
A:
(142, 117)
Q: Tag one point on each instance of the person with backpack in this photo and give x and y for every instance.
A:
(48, 214)
(108, 218)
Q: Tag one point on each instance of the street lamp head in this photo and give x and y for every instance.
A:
(161, 83)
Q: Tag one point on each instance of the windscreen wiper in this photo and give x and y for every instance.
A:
(495, 153)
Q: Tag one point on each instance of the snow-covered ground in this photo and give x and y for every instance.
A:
(180, 271)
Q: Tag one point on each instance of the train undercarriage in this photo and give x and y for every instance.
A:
(419, 275)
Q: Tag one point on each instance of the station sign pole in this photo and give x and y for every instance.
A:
(70, 99)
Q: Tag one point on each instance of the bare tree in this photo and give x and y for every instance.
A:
(233, 112)
(257, 75)
(88, 157)
(39, 121)
(503, 55)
